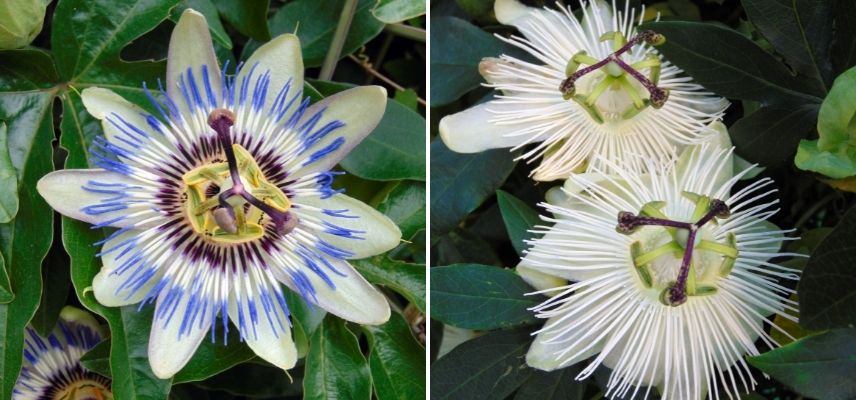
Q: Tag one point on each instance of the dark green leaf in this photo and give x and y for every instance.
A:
(397, 361)
(394, 150)
(405, 205)
(89, 35)
(255, 381)
(555, 385)
(404, 278)
(26, 69)
(727, 63)
(464, 246)
(820, 366)
(488, 367)
(392, 11)
(56, 278)
(8, 180)
(212, 358)
(6, 294)
(800, 31)
(306, 318)
(316, 20)
(206, 8)
(827, 298)
(97, 359)
(844, 36)
(519, 218)
(335, 367)
(771, 135)
(247, 16)
(25, 240)
(481, 297)
(457, 47)
(461, 182)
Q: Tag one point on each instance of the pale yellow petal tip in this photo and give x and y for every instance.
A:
(508, 11)
(537, 279)
(77, 316)
(538, 358)
(455, 142)
(98, 101)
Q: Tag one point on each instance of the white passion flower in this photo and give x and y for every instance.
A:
(662, 274)
(52, 368)
(598, 88)
(225, 194)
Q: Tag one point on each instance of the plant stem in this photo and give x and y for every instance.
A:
(335, 50)
(371, 71)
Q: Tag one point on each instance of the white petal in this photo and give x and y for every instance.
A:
(114, 112)
(379, 234)
(190, 48)
(282, 59)
(272, 343)
(360, 109)
(511, 12)
(538, 279)
(64, 192)
(542, 257)
(470, 131)
(170, 345)
(353, 298)
(115, 283)
(544, 356)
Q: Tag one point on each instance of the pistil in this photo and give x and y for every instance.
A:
(677, 293)
(221, 121)
(657, 96)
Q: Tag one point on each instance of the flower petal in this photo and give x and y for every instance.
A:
(64, 191)
(545, 356)
(281, 61)
(511, 12)
(371, 232)
(470, 131)
(192, 65)
(359, 109)
(176, 333)
(124, 279)
(273, 343)
(538, 279)
(352, 298)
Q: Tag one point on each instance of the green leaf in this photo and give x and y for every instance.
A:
(97, 359)
(316, 20)
(843, 51)
(396, 361)
(404, 278)
(206, 8)
(394, 150)
(21, 21)
(491, 366)
(729, 64)
(26, 69)
(8, 180)
(481, 297)
(25, 240)
(100, 29)
(461, 182)
(827, 298)
(405, 205)
(771, 135)
(6, 294)
(212, 358)
(457, 47)
(800, 31)
(335, 367)
(833, 154)
(820, 366)
(519, 218)
(393, 11)
(560, 384)
(247, 16)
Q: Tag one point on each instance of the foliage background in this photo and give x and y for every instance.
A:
(49, 261)
(776, 61)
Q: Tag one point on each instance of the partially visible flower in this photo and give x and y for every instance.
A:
(598, 88)
(52, 368)
(670, 276)
(224, 194)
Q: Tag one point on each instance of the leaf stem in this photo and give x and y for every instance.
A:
(335, 50)
(406, 31)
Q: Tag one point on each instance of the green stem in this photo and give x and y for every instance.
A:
(406, 31)
(335, 50)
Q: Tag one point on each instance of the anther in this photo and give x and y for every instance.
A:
(225, 219)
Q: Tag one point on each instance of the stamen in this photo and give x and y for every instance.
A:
(221, 120)
(657, 96)
(676, 294)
